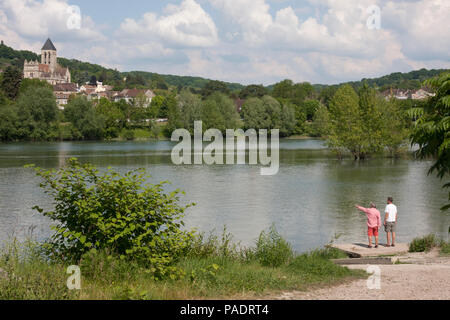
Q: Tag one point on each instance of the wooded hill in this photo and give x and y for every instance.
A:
(83, 72)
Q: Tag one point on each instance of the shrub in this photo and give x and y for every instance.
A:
(424, 244)
(272, 250)
(128, 135)
(110, 211)
(445, 248)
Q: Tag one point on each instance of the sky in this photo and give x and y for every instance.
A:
(245, 41)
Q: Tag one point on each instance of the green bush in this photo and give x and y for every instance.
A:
(424, 244)
(113, 212)
(128, 134)
(445, 248)
(272, 250)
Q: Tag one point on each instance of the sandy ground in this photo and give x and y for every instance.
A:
(426, 276)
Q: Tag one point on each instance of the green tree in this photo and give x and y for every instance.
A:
(371, 113)
(155, 106)
(37, 113)
(214, 86)
(8, 120)
(395, 125)
(346, 128)
(253, 91)
(310, 107)
(432, 130)
(264, 113)
(11, 80)
(283, 89)
(112, 115)
(84, 118)
(288, 120)
(191, 109)
(173, 114)
(321, 122)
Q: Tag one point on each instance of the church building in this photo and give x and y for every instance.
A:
(49, 69)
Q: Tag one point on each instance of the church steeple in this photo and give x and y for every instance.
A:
(48, 54)
(48, 45)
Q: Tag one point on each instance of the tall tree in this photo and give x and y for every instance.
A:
(214, 86)
(346, 126)
(37, 111)
(253, 91)
(10, 85)
(84, 118)
(432, 130)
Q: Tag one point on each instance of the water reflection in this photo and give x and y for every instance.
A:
(309, 200)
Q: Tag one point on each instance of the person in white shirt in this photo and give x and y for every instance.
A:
(390, 221)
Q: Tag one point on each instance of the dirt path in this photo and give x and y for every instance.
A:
(425, 277)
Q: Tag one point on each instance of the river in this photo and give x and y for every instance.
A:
(310, 199)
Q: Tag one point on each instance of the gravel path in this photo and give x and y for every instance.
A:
(427, 278)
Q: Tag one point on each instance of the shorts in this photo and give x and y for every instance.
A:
(390, 226)
(372, 231)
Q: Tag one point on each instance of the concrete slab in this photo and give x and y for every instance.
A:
(358, 250)
(365, 261)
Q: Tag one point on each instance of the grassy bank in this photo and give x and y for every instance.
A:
(212, 268)
(429, 242)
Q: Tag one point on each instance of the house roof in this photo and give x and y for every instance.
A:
(48, 45)
(65, 87)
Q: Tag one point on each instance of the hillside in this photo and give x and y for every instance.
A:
(83, 72)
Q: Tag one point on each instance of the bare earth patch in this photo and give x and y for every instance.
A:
(426, 276)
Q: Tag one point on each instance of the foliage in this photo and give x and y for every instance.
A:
(253, 91)
(26, 275)
(10, 84)
(364, 123)
(109, 211)
(36, 113)
(346, 125)
(87, 123)
(432, 129)
(423, 244)
(214, 86)
(272, 250)
(321, 123)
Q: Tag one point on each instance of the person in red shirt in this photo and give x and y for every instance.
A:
(373, 222)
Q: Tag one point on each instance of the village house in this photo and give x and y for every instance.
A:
(63, 91)
(405, 94)
(130, 96)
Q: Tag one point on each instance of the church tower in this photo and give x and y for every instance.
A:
(48, 55)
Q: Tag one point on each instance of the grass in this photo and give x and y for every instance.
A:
(445, 248)
(427, 243)
(424, 244)
(213, 268)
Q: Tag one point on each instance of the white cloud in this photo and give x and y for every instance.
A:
(186, 25)
(261, 41)
(32, 19)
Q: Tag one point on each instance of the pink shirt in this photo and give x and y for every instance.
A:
(373, 216)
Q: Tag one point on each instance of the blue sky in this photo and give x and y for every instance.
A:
(246, 41)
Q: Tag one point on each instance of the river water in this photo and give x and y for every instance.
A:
(310, 199)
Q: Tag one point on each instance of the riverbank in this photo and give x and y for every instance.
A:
(416, 276)
(214, 270)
